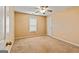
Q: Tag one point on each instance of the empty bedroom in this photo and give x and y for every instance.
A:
(42, 29)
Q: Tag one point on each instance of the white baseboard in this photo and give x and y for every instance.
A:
(29, 36)
(54, 36)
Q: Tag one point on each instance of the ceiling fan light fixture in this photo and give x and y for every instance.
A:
(42, 11)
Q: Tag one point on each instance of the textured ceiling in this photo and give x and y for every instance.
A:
(31, 9)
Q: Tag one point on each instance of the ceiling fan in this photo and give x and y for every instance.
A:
(43, 10)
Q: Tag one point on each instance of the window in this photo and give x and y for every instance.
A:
(32, 24)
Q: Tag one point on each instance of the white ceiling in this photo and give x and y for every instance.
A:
(31, 9)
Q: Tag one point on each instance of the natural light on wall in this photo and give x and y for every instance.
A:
(7, 20)
(7, 24)
(32, 23)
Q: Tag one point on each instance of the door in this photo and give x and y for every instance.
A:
(49, 25)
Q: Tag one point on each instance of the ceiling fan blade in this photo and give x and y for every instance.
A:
(44, 13)
(49, 10)
(36, 11)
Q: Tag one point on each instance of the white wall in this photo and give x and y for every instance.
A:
(1, 22)
(2, 31)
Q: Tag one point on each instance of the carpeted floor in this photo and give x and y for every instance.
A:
(42, 44)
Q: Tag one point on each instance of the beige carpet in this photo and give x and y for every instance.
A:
(42, 44)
